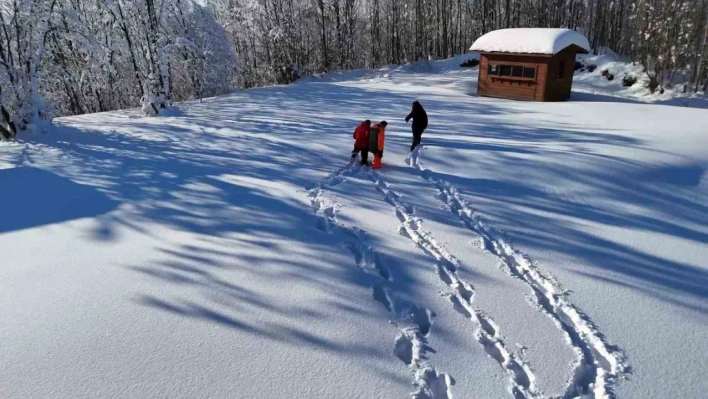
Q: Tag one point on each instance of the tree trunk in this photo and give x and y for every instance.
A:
(324, 35)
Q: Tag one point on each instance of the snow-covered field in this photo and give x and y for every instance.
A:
(229, 250)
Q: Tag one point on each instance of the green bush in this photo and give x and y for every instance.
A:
(629, 81)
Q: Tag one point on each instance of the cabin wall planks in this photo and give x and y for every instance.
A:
(548, 83)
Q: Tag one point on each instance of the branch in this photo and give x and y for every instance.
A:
(92, 40)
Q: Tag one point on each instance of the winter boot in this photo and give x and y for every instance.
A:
(377, 162)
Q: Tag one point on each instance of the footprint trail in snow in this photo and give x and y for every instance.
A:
(414, 323)
(599, 365)
(486, 332)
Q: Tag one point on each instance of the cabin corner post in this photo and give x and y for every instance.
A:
(482, 74)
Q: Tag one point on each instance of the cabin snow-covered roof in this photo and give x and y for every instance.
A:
(530, 41)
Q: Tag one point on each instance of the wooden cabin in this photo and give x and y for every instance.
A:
(531, 64)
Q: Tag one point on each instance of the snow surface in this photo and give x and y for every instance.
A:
(597, 85)
(230, 250)
(530, 40)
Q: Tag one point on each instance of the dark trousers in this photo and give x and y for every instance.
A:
(417, 134)
(364, 154)
(416, 140)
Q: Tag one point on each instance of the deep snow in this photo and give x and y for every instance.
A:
(229, 250)
(678, 93)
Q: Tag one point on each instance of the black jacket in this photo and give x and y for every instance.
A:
(419, 116)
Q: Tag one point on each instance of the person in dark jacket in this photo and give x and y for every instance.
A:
(361, 141)
(420, 123)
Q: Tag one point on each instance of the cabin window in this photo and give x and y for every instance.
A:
(560, 73)
(512, 71)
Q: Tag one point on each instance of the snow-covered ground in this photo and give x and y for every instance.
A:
(586, 82)
(229, 250)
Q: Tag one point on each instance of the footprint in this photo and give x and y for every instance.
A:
(459, 307)
(382, 296)
(487, 325)
(433, 385)
(403, 349)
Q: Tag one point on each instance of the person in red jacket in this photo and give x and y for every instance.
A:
(361, 141)
(377, 136)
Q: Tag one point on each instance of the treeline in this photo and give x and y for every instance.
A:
(66, 57)
(278, 40)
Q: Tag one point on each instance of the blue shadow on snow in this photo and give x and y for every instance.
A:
(39, 197)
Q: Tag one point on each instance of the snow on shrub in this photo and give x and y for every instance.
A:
(150, 105)
(635, 81)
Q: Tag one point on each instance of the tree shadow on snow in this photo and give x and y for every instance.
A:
(214, 170)
(210, 170)
(631, 195)
(38, 197)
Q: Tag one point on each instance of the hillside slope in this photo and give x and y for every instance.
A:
(230, 250)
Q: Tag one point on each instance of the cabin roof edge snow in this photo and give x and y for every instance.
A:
(542, 41)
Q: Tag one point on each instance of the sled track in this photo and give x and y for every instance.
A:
(599, 365)
(486, 332)
(414, 323)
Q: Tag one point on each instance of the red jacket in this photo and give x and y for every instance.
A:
(361, 136)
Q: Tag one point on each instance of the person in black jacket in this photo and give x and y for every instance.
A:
(420, 122)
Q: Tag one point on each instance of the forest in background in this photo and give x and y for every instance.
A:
(70, 57)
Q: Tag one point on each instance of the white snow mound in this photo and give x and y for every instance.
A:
(530, 40)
